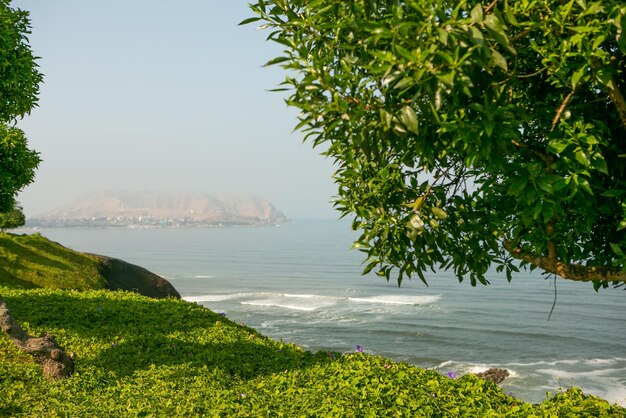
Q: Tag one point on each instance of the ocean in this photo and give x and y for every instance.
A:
(301, 282)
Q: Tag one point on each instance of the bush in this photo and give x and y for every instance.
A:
(12, 219)
(145, 357)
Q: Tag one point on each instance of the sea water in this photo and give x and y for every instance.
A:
(301, 282)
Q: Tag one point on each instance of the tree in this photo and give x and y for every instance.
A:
(17, 165)
(12, 219)
(467, 134)
(19, 86)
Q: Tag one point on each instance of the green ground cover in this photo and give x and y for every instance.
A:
(138, 356)
(29, 261)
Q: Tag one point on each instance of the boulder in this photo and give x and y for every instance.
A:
(121, 275)
(494, 374)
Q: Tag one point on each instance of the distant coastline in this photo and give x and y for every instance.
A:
(159, 209)
(142, 223)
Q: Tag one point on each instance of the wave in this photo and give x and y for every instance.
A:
(311, 302)
(279, 304)
(602, 377)
(218, 297)
(297, 302)
(203, 277)
(397, 299)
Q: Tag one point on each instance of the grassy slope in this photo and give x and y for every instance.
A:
(29, 261)
(141, 356)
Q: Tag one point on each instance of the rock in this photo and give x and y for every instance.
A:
(121, 275)
(494, 374)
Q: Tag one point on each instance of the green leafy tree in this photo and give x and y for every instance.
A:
(17, 165)
(467, 134)
(19, 86)
(12, 219)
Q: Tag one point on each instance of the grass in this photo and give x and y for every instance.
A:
(138, 356)
(32, 261)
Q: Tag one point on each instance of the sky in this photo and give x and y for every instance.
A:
(162, 95)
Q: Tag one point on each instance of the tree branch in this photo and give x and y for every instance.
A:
(576, 272)
(56, 364)
(557, 116)
(618, 100)
(493, 3)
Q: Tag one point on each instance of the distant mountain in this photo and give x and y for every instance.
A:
(157, 208)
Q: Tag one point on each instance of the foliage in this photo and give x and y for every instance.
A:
(12, 219)
(145, 357)
(467, 134)
(29, 261)
(19, 77)
(19, 87)
(17, 165)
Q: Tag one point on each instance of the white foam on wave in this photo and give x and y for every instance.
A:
(297, 302)
(616, 395)
(594, 362)
(278, 304)
(602, 377)
(397, 299)
(215, 297)
(473, 368)
(203, 277)
(303, 296)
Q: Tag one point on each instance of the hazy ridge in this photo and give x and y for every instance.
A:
(127, 208)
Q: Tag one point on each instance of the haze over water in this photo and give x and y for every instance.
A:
(300, 282)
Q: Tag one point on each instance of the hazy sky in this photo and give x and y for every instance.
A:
(162, 95)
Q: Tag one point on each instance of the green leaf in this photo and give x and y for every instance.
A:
(582, 158)
(584, 183)
(249, 20)
(477, 36)
(443, 36)
(496, 28)
(578, 74)
(599, 163)
(409, 119)
(557, 146)
(614, 193)
(617, 250)
(518, 186)
(276, 60)
(439, 213)
(545, 184)
(477, 13)
(499, 60)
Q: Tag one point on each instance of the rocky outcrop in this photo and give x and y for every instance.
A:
(121, 275)
(494, 374)
(155, 208)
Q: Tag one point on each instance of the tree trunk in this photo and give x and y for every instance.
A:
(576, 272)
(56, 364)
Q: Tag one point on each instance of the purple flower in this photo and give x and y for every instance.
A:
(223, 314)
(114, 345)
(452, 375)
(359, 349)
(512, 394)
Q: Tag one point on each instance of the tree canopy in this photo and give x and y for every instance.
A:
(12, 219)
(467, 134)
(19, 87)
